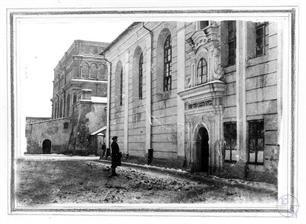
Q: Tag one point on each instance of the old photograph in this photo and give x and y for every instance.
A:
(178, 111)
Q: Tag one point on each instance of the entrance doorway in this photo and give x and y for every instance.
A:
(202, 150)
(46, 146)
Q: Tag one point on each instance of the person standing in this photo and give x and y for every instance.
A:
(103, 147)
(116, 156)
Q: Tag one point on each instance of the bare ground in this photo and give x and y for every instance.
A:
(81, 181)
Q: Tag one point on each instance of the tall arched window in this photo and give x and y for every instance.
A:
(167, 64)
(68, 105)
(84, 70)
(140, 75)
(121, 87)
(117, 93)
(202, 71)
(61, 109)
(93, 71)
(55, 109)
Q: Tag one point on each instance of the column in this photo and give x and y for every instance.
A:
(180, 87)
(241, 55)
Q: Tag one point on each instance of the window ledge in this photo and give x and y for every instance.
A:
(229, 69)
(164, 95)
(257, 60)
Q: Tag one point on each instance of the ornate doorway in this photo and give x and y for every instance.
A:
(202, 150)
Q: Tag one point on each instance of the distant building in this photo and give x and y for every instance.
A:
(78, 103)
(203, 95)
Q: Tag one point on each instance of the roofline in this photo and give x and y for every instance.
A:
(74, 43)
(120, 35)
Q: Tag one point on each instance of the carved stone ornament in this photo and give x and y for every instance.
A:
(218, 70)
(197, 39)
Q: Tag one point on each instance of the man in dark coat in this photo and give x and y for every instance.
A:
(116, 156)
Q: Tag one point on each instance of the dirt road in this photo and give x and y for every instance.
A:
(48, 181)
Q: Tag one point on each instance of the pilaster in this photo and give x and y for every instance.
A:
(126, 69)
(180, 87)
(241, 56)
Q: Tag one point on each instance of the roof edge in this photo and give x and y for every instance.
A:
(120, 35)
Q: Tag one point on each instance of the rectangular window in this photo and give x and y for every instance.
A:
(260, 39)
(231, 42)
(204, 24)
(66, 125)
(230, 138)
(256, 142)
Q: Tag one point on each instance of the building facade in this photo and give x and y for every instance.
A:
(78, 103)
(203, 95)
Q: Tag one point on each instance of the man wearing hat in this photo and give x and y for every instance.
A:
(116, 156)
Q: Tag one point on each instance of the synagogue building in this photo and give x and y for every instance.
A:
(78, 104)
(203, 95)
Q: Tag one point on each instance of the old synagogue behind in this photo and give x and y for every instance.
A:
(202, 96)
(78, 104)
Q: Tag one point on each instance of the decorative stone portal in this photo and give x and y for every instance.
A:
(203, 139)
(46, 146)
(203, 109)
(202, 151)
(203, 101)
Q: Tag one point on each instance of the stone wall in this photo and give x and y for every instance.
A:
(261, 103)
(133, 112)
(52, 130)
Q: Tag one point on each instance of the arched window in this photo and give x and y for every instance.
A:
(74, 98)
(121, 87)
(55, 109)
(84, 70)
(61, 108)
(118, 90)
(167, 64)
(68, 105)
(102, 72)
(202, 71)
(93, 71)
(140, 75)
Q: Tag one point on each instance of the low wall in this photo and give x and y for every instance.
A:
(56, 130)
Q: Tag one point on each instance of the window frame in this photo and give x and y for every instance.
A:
(66, 125)
(233, 139)
(140, 76)
(201, 66)
(167, 82)
(74, 101)
(262, 37)
(203, 21)
(121, 87)
(231, 42)
(251, 124)
(68, 106)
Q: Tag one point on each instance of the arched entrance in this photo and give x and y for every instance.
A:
(202, 150)
(46, 146)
